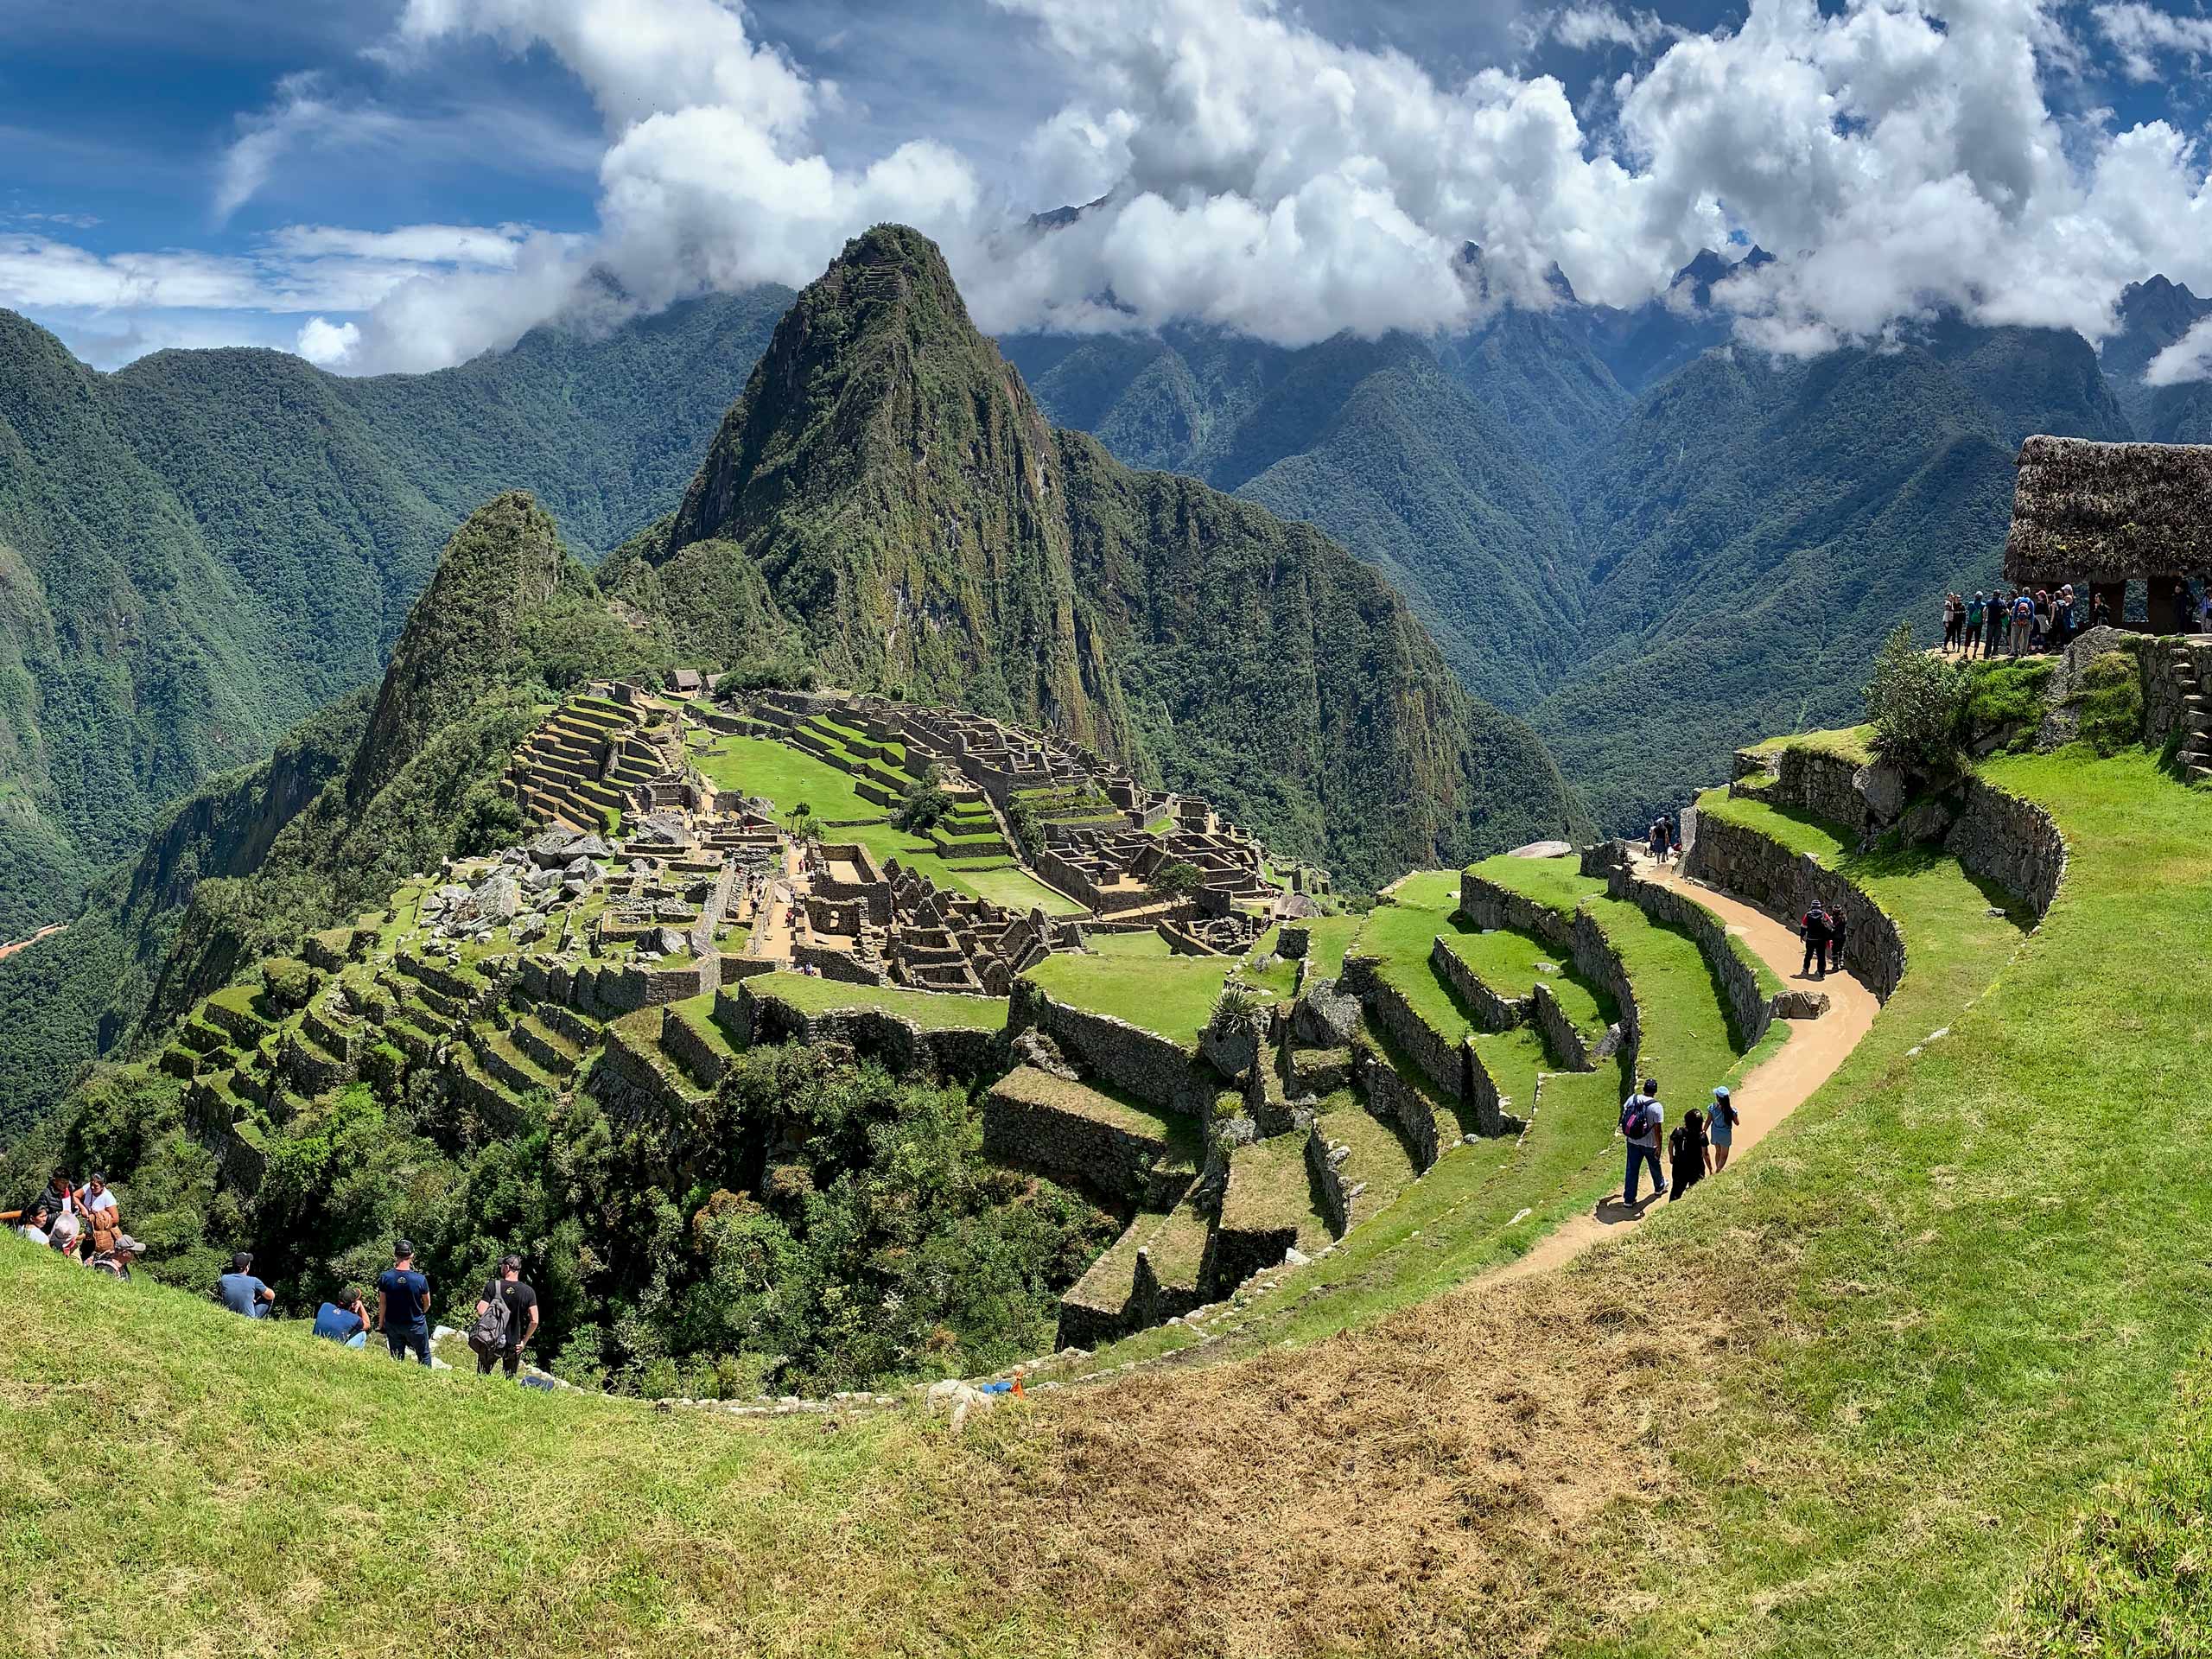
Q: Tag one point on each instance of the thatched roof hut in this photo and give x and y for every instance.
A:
(2103, 512)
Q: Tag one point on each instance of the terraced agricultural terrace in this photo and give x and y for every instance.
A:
(1356, 1164)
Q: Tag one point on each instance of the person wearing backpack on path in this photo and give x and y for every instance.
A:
(1720, 1129)
(1690, 1152)
(1976, 608)
(1642, 1118)
(403, 1306)
(507, 1319)
(2024, 623)
(1818, 931)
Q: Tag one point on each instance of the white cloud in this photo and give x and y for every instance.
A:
(1582, 28)
(326, 344)
(2142, 34)
(2189, 358)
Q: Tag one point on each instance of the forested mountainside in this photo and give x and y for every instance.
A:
(1652, 544)
(887, 502)
(200, 550)
(361, 795)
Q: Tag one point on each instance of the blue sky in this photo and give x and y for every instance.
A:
(403, 182)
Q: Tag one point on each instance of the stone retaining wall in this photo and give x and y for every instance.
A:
(1763, 872)
(1386, 1007)
(1391, 1099)
(701, 1059)
(2015, 843)
(1823, 785)
(1109, 1160)
(1328, 1181)
(1749, 1009)
(1578, 936)
(1162, 1074)
(1490, 1011)
(900, 1044)
(1570, 1049)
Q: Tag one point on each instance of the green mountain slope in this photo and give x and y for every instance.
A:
(888, 491)
(200, 549)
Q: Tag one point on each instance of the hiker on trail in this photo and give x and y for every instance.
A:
(345, 1321)
(1818, 931)
(507, 1319)
(59, 1197)
(1655, 840)
(1993, 638)
(1976, 608)
(1642, 1118)
(403, 1306)
(2068, 616)
(1674, 840)
(96, 1198)
(1690, 1152)
(1721, 1128)
(1835, 938)
(242, 1294)
(2024, 623)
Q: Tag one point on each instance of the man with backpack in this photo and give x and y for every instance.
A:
(507, 1319)
(1642, 1118)
(403, 1306)
(1818, 932)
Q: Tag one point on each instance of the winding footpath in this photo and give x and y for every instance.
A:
(1767, 1094)
(7, 950)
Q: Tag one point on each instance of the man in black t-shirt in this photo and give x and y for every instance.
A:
(522, 1317)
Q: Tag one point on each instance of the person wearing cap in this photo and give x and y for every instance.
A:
(345, 1321)
(1720, 1130)
(242, 1294)
(403, 1306)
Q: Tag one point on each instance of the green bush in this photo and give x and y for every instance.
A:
(2109, 697)
(925, 806)
(2006, 694)
(1918, 704)
(1178, 879)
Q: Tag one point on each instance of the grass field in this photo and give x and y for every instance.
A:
(1172, 996)
(791, 778)
(1923, 1374)
(932, 1010)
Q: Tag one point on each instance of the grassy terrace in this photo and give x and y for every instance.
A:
(791, 778)
(932, 1010)
(1850, 743)
(1172, 996)
(1925, 1374)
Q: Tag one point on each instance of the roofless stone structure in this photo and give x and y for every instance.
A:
(2108, 514)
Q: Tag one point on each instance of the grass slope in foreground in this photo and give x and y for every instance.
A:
(1834, 1405)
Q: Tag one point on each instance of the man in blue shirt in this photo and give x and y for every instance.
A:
(403, 1306)
(345, 1321)
(241, 1292)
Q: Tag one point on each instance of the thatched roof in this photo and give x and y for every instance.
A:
(2105, 512)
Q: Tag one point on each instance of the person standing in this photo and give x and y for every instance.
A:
(1721, 1126)
(1975, 608)
(1689, 1151)
(1835, 938)
(242, 1294)
(2099, 616)
(1950, 622)
(1994, 623)
(403, 1306)
(1642, 1119)
(499, 1337)
(1815, 927)
(2024, 623)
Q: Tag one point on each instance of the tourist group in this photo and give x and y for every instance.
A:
(2018, 623)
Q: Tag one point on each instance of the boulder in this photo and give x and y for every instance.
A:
(667, 940)
(1034, 1047)
(1928, 821)
(580, 869)
(1801, 1005)
(498, 896)
(592, 847)
(1883, 787)
(1324, 1017)
(542, 880)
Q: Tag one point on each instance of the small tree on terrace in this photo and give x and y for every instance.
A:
(925, 803)
(1918, 705)
(1179, 879)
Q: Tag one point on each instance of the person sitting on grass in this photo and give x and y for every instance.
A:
(242, 1294)
(62, 1234)
(345, 1321)
(34, 1222)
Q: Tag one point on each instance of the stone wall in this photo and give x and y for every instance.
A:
(1824, 786)
(1161, 1074)
(1391, 1099)
(901, 1045)
(698, 1056)
(1387, 1008)
(2002, 838)
(1327, 1176)
(1578, 936)
(1570, 1049)
(1489, 1011)
(1063, 1142)
(1749, 1010)
(1765, 873)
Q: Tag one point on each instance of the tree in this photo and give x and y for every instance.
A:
(924, 804)
(1178, 880)
(1918, 704)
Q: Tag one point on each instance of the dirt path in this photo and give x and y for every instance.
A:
(1768, 1094)
(771, 934)
(7, 950)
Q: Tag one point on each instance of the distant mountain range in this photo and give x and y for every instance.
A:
(1651, 543)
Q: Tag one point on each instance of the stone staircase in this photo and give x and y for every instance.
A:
(2195, 755)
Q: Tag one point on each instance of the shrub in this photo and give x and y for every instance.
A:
(1028, 827)
(1918, 704)
(2109, 697)
(925, 806)
(1236, 1002)
(1178, 879)
(773, 674)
